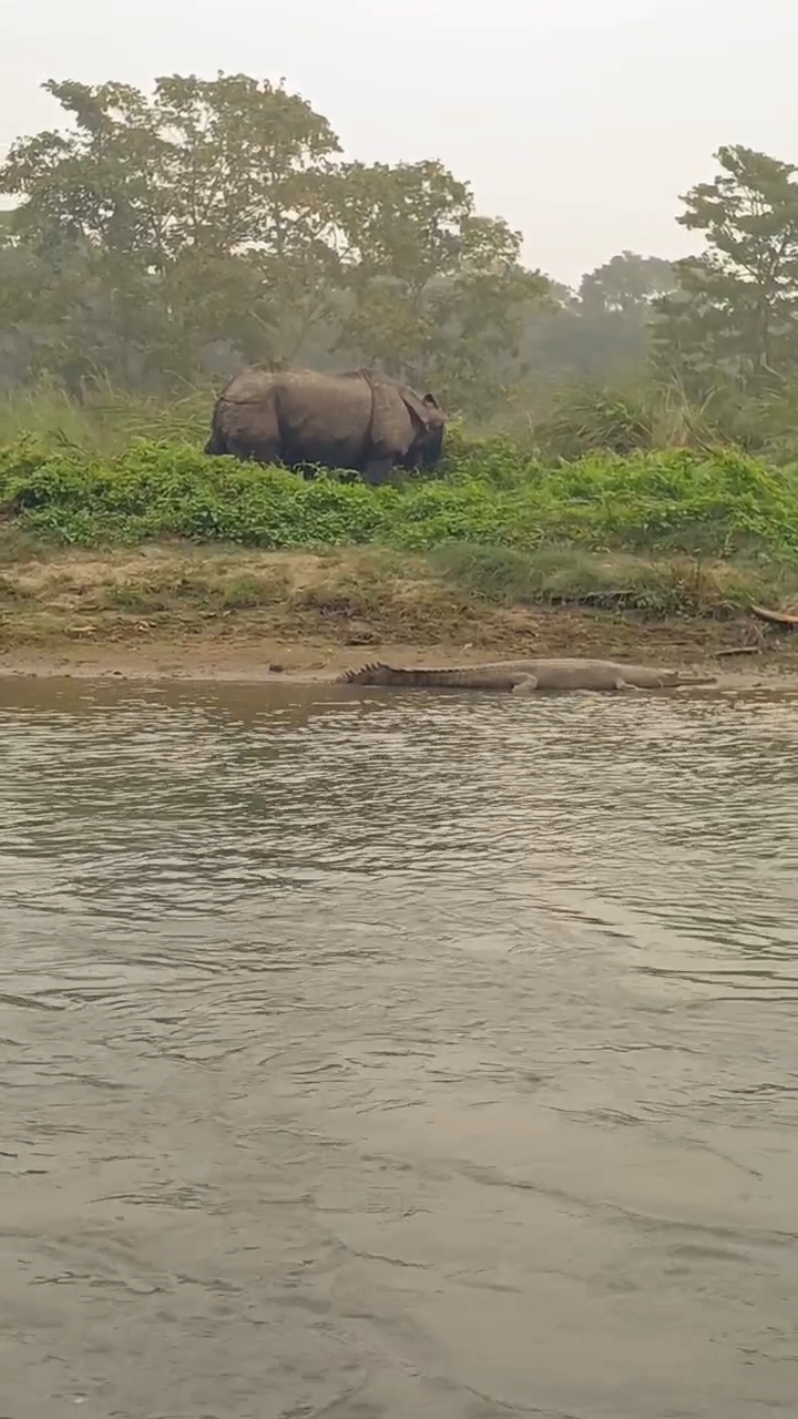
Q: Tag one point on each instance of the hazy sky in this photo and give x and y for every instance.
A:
(580, 121)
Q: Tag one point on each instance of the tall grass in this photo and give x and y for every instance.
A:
(564, 420)
(584, 418)
(105, 421)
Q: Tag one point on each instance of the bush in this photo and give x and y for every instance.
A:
(491, 493)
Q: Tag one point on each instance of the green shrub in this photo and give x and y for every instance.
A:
(491, 493)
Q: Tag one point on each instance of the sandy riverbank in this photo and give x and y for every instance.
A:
(193, 614)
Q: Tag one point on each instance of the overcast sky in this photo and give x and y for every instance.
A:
(580, 121)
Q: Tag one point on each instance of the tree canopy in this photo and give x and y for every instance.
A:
(220, 214)
(164, 237)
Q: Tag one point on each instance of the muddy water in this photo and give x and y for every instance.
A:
(397, 1056)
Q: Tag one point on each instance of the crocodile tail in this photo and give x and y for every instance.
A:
(377, 673)
(372, 674)
(421, 678)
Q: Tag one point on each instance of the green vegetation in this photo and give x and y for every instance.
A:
(105, 421)
(632, 442)
(160, 240)
(674, 585)
(494, 506)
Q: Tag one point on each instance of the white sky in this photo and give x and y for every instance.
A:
(579, 121)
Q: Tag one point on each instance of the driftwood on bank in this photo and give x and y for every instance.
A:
(775, 618)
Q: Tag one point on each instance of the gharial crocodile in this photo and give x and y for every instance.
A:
(523, 677)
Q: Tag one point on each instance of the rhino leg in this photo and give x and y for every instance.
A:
(378, 470)
(527, 686)
(215, 445)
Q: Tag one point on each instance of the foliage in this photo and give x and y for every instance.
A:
(566, 421)
(187, 214)
(105, 420)
(215, 221)
(436, 288)
(494, 493)
(584, 418)
(627, 283)
(736, 310)
(564, 575)
(161, 240)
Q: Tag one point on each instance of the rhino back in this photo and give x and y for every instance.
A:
(324, 418)
(299, 416)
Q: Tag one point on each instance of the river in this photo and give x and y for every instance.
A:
(398, 1055)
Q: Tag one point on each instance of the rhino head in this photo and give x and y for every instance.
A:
(429, 423)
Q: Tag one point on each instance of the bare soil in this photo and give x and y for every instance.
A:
(200, 614)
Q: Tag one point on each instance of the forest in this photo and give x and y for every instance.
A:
(152, 243)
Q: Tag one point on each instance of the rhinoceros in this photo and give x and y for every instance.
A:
(359, 420)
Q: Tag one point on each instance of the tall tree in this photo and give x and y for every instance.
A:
(220, 211)
(438, 293)
(735, 313)
(214, 191)
(601, 332)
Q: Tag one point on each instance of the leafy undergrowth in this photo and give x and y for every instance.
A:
(715, 505)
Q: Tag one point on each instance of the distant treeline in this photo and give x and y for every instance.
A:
(157, 241)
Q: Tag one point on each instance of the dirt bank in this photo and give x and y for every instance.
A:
(204, 614)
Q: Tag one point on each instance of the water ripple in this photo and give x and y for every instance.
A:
(471, 1009)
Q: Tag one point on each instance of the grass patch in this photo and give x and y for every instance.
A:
(481, 599)
(105, 422)
(573, 577)
(215, 594)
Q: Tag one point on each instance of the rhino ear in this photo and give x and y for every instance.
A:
(419, 408)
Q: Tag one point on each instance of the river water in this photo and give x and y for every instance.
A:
(397, 1055)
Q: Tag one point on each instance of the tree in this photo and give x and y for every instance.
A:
(209, 196)
(735, 313)
(627, 284)
(437, 292)
(219, 214)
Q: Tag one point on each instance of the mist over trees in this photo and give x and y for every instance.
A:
(161, 240)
